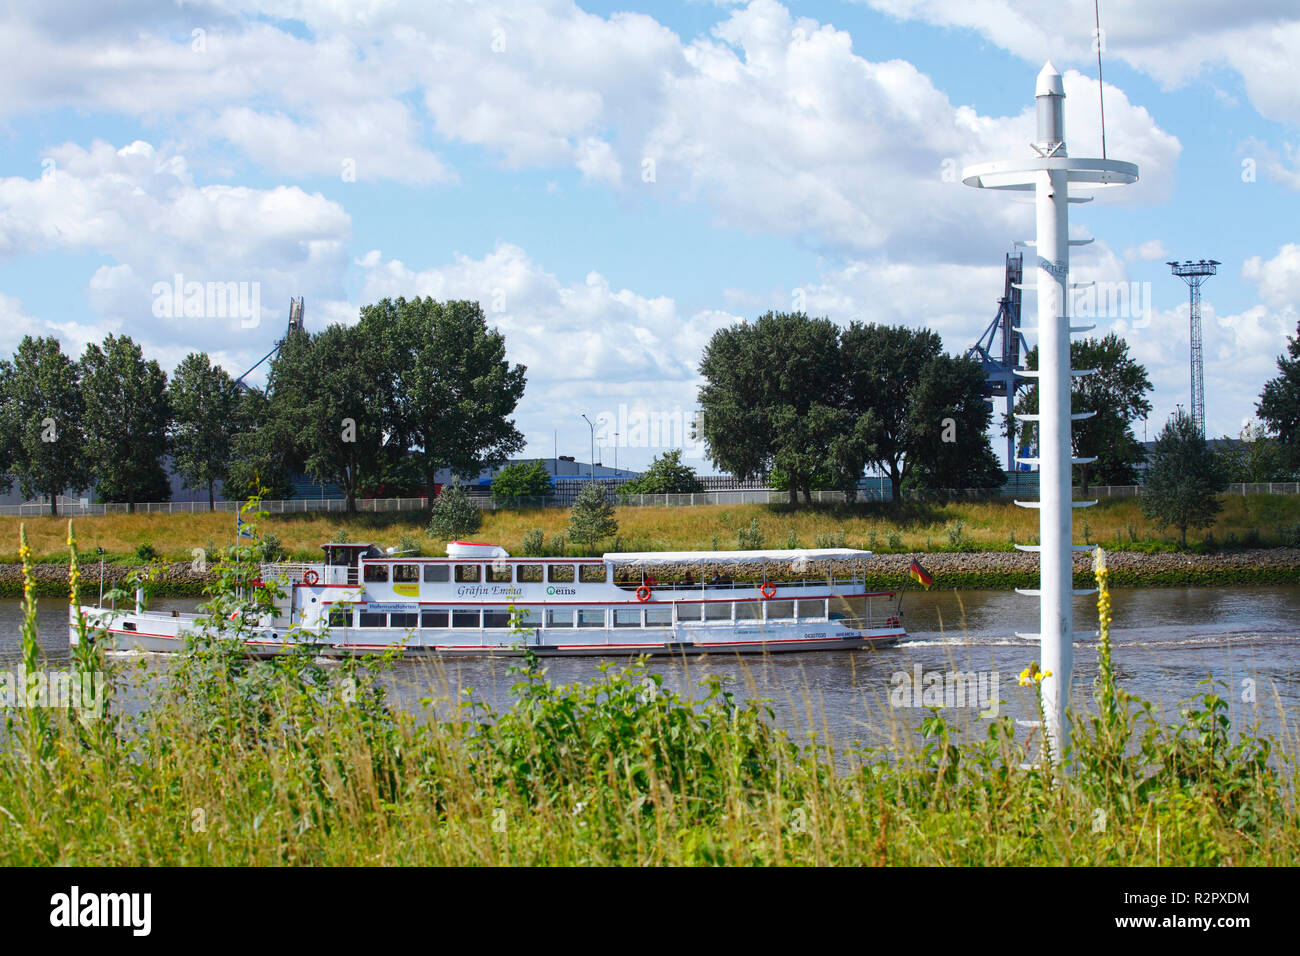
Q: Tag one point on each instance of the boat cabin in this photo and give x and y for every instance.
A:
(343, 560)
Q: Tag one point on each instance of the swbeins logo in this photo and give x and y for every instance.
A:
(102, 909)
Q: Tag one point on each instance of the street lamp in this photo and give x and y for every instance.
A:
(593, 444)
(615, 454)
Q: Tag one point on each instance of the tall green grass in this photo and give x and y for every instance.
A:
(1117, 524)
(234, 761)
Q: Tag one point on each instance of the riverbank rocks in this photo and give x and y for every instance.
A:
(1127, 568)
(178, 579)
(951, 569)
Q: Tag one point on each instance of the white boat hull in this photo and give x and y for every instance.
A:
(161, 632)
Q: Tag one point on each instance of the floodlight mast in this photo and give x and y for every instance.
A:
(1049, 176)
(1195, 274)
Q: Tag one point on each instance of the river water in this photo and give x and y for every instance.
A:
(1166, 641)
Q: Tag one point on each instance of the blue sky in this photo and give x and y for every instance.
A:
(501, 152)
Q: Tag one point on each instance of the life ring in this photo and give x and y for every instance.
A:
(893, 622)
(768, 590)
(643, 594)
(310, 578)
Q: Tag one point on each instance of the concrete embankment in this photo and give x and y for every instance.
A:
(966, 570)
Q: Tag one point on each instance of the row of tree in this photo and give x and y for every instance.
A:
(808, 404)
(62, 421)
(814, 404)
(420, 385)
(413, 387)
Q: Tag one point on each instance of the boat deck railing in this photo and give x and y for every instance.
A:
(738, 585)
(295, 572)
(867, 623)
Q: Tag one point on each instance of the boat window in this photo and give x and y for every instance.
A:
(375, 572)
(370, 619)
(559, 617)
(780, 610)
(658, 617)
(528, 617)
(853, 607)
(433, 619)
(560, 573)
(627, 617)
(814, 609)
(435, 573)
(591, 573)
(528, 573)
(498, 573)
(340, 617)
(406, 572)
(690, 612)
(467, 573)
(748, 610)
(496, 618)
(461, 618)
(717, 611)
(591, 617)
(404, 620)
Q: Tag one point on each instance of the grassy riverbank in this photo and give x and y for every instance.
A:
(1251, 521)
(289, 762)
(969, 546)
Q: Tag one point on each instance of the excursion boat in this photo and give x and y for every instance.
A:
(479, 599)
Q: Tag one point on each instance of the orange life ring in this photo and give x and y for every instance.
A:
(310, 578)
(768, 589)
(893, 622)
(643, 594)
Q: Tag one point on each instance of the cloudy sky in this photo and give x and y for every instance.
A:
(615, 182)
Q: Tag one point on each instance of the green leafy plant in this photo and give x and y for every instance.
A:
(453, 515)
(591, 519)
(523, 479)
(534, 543)
(750, 538)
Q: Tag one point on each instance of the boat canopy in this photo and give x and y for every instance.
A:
(649, 559)
(469, 550)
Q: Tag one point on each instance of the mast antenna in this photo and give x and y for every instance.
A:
(1098, 40)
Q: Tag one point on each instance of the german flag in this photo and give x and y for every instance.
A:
(922, 576)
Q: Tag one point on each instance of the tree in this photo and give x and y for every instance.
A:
(592, 518)
(331, 394)
(452, 389)
(523, 479)
(1183, 479)
(1116, 391)
(1279, 403)
(261, 450)
(204, 400)
(948, 422)
(41, 420)
(885, 366)
(1256, 457)
(127, 415)
(773, 398)
(665, 476)
(6, 438)
(453, 515)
